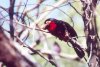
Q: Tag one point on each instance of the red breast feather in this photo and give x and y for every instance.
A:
(52, 26)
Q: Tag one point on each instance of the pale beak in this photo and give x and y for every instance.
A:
(46, 25)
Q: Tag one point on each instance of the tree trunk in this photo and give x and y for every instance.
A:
(90, 28)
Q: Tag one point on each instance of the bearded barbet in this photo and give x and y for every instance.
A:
(65, 32)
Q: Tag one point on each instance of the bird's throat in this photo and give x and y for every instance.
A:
(52, 26)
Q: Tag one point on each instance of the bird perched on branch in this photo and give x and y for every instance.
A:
(65, 32)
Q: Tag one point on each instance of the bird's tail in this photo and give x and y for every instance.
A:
(77, 48)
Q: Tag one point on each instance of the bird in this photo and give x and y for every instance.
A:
(65, 32)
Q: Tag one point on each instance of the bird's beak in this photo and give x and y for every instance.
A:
(46, 25)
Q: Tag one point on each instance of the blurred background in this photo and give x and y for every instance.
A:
(27, 13)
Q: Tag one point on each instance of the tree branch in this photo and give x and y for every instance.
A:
(11, 12)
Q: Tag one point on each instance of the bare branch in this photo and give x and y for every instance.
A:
(11, 12)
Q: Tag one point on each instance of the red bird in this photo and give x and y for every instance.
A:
(64, 32)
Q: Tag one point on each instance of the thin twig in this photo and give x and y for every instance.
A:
(23, 9)
(74, 8)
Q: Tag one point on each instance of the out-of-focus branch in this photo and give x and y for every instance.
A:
(10, 55)
(63, 55)
(11, 12)
(39, 3)
(5, 9)
(75, 9)
(26, 26)
(35, 51)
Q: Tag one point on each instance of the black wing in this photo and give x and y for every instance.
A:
(69, 28)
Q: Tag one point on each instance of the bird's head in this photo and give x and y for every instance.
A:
(50, 24)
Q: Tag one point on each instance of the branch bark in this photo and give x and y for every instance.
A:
(90, 28)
